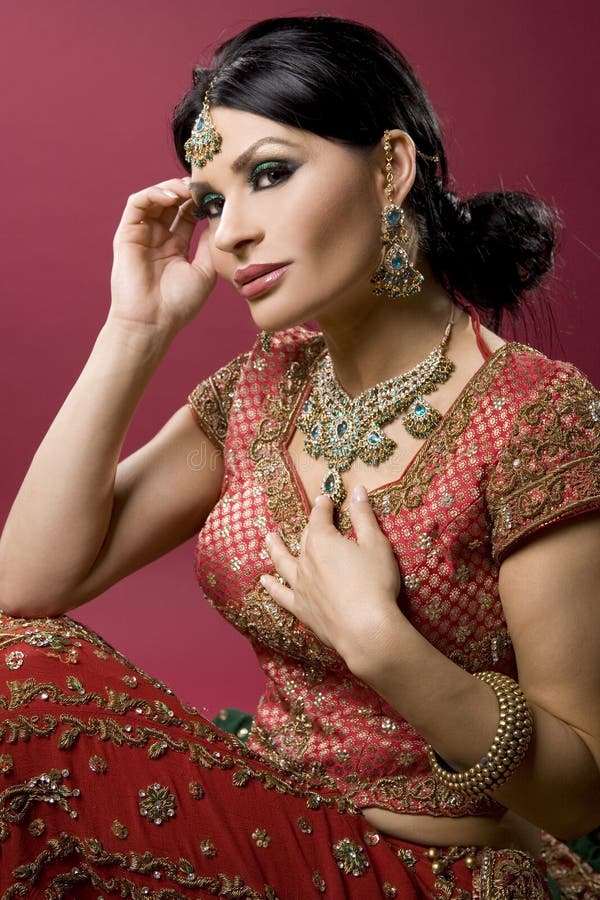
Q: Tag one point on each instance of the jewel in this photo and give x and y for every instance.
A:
(398, 262)
(394, 216)
(341, 428)
(350, 857)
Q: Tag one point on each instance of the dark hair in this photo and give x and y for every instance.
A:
(346, 82)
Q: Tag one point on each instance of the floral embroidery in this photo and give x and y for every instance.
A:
(261, 837)
(90, 855)
(304, 825)
(6, 764)
(16, 800)
(510, 874)
(196, 790)
(157, 803)
(550, 465)
(350, 857)
(36, 827)
(15, 659)
(319, 882)
(208, 848)
(97, 764)
(119, 830)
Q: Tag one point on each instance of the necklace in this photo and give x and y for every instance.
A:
(342, 429)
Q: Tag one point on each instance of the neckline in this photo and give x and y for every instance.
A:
(421, 451)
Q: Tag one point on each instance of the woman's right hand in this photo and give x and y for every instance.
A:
(152, 281)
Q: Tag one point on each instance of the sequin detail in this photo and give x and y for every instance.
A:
(350, 857)
(157, 803)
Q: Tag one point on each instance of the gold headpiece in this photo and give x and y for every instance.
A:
(205, 141)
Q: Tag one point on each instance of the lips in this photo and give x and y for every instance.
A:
(243, 276)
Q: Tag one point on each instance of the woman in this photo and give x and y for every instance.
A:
(396, 528)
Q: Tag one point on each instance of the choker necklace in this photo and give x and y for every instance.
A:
(342, 429)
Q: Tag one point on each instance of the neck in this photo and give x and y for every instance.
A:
(388, 337)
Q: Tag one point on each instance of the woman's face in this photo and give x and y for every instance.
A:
(280, 197)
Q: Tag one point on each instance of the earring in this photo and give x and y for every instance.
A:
(395, 277)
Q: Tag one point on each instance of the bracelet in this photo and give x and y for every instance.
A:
(508, 748)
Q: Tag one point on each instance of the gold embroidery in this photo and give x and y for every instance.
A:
(551, 466)
(508, 875)
(16, 800)
(211, 400)
(575, 877)
(90, 854)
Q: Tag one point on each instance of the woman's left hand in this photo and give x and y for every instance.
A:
(344, 591)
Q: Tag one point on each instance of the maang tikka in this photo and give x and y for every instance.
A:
(205, 141)
(395, 277)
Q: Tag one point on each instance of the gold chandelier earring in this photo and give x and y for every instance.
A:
(395, 277)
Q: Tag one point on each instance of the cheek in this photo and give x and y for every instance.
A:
(344, 232)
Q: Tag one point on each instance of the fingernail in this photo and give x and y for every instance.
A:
(359, 492)
(170, 193)
(268, 538)
(264, 580)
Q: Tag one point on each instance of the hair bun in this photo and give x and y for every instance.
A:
(496, 245)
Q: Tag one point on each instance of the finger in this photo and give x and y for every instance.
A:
(152, 201)
(182, 209)
(283, 560)
(363, 518)
(280, 593)
(321, 515)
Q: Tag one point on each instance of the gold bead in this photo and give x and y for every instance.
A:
(433, 852)
(438, 867)
(470, 861)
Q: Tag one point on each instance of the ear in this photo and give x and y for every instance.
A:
(403, 165)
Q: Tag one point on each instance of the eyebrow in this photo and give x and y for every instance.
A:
(198, 188)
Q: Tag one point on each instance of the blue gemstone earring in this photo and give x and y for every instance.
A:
(395, 277)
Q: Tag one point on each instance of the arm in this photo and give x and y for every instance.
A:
(549, 590)
(78, 524)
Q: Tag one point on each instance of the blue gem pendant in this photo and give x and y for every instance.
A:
(332, 486)
(421, 419)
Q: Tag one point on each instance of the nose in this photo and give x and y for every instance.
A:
(237, 227)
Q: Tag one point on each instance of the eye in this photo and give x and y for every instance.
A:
(265, 175)
(268, 174)
(209, 207)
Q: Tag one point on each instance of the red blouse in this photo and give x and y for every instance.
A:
(518, 450)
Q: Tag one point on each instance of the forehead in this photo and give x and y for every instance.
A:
(243, 134)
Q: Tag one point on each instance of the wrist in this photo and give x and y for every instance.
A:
(140, 340)
(375, 652)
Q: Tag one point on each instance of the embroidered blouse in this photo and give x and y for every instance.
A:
(518, 450)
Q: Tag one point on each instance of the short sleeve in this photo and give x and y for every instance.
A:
(211, 400)
(549, 469)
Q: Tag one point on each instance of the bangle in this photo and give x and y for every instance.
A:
(508, 748)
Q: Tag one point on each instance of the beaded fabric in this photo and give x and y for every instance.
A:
(517, 451)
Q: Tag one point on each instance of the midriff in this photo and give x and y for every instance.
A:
(511, 831)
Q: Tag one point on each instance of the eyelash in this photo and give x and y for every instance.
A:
(201, 210)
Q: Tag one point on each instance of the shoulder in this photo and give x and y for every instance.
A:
(531, 375)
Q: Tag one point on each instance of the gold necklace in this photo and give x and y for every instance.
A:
(342, 429)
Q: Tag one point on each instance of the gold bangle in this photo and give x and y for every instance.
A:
(507, 750)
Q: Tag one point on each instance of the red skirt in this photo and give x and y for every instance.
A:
(110, 785)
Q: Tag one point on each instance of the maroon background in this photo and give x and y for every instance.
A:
(86, 100)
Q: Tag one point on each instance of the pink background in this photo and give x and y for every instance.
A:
(87, 93)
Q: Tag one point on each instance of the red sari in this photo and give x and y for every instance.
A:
(111, 785)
